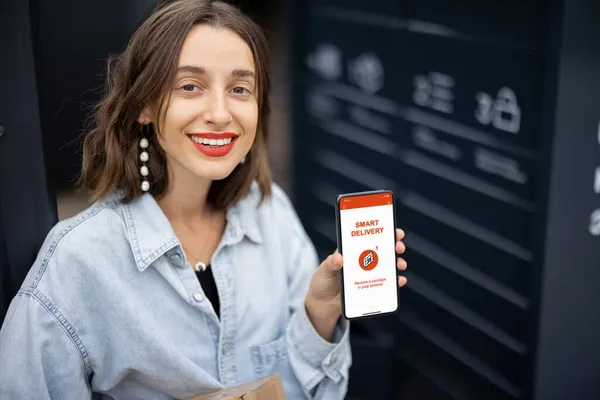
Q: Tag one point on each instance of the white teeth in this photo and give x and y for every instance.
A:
(211, 142)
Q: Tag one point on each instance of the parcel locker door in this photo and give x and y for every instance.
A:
(27, 205)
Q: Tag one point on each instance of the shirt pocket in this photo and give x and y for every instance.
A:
(270, 358)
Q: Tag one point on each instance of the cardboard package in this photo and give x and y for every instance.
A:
(269, 388)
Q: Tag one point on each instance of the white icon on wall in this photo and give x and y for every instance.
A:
(367, 72)
(503, 112)
(594, 226)
(321, 106)
(326, 61)
(434, 91)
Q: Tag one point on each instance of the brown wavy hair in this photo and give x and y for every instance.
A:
(142, 75)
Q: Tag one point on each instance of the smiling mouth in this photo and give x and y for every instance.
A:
(212, 142)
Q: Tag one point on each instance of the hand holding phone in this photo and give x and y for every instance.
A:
(366, 234)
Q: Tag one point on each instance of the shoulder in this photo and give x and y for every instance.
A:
(282, 208)
(98, 223)
(276, 215)
(277, 204)
(78, 241)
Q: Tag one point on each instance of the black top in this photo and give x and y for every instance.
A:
(207, 281)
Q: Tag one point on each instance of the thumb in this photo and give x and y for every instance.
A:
(333, 263)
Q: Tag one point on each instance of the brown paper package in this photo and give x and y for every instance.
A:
(269, 388)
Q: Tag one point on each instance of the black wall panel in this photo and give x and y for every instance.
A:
(483, 118)
(27, 205)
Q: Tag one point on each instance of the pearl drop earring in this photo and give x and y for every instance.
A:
(144, 157)
(243, 160)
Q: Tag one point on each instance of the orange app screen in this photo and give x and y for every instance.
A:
(369, 250)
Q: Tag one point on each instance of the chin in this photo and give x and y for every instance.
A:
(214, 172)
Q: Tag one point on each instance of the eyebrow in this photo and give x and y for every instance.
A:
(242, 73)
(238, 73)
(191, 68)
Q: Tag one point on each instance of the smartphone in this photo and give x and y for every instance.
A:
(366, 238)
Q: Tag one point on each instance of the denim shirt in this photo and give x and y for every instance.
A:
(112, 310)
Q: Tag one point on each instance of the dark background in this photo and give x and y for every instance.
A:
(503, 300)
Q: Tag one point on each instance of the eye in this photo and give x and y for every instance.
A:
(240, 90)
(189, 87)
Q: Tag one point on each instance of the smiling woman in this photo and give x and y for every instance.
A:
(213, 100)
(191, 270)
(192, 69)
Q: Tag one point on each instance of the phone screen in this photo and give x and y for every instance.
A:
(368, 243)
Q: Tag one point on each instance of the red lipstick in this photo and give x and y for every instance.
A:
(213, 144)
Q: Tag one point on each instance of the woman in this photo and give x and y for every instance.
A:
(191, 271)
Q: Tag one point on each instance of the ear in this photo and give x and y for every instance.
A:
(144, 117)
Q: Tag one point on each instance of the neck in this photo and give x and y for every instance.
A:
(186, 199)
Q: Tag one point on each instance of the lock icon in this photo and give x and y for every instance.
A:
(507, 114)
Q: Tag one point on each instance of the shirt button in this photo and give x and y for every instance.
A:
(198, 296)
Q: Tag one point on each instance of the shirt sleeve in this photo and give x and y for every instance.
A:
(320, 366)
(40, 360)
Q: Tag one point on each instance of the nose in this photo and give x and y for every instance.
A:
(217, 111)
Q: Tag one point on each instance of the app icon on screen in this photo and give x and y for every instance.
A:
(368, 260)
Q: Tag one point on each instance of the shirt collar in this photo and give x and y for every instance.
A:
(243, 216)
(150, 234)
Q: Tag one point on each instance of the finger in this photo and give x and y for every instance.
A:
(399, 234)
(334, 262)
(402, 264)
(402, 281)
(400, 247)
